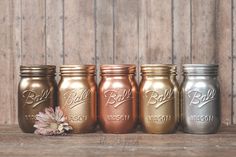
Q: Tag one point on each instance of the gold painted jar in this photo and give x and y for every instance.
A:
(77, 96)
(157, 99)
(117, 97)
(37, 90)
(173, 74)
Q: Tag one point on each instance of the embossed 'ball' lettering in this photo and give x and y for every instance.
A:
(116, 97)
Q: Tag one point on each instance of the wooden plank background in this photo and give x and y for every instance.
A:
(116, 31)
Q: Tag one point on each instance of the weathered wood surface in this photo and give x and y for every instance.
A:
(14, 143)
(116, 31)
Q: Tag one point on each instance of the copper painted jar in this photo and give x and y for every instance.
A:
(37, 90)
(157, 99)
(77, 96)
(117, 99)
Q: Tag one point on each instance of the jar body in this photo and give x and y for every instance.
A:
(34, 95)
(77, 99)
(177, 99)
(157, 104)
(117, 97)
(200, 101)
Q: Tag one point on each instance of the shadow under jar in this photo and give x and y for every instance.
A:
(77, 97)
(157, 99)
(200, 99)
(37, 90)
(117, 99)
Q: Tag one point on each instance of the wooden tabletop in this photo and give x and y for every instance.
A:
(15, 143)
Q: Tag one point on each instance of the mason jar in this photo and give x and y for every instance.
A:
(37, 90)
(117, 98)
(157, 99)
(200, 99)
(173, 74)
(77, 96)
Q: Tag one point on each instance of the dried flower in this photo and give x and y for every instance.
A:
(51, 123)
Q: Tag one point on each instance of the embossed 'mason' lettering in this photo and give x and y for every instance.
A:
(200, 99)
(158, 99)
(116, 97)
(76, 97)
(32, 98)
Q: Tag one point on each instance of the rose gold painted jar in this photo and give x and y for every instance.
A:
(157, 99)
(77, 96)
(117, 98)
(37, 90)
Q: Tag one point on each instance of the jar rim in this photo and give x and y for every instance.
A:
(107, 69)
(74, 70)
(158, 69)
(200, 69)
(200, 65)
(37, 70)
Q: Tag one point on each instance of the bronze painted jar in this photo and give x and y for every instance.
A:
(77, 96)
(117, 99)
(157, 99)
(37, 90)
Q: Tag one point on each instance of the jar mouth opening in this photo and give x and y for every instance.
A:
(200, 69)
(37, 70)
(74, 70)
(119, 69)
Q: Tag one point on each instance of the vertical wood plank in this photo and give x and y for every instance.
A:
(155, 31)
(104, 32)
(54, 32)
(33, 32)
(79, 32)
(6, 61)
(125, 31)
(234, 61)
(182, 33)
(16, 22)
(224, 53)
(203, 31)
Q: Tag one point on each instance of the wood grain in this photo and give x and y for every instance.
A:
(16, 22)
(33, 32)
(15, 143)
(155, 31)
(204, 31)
(79, 32)
(104, 33)
(224, 51)
(234, 61)
(6, 62)
(182, 33)
(54, 32)
(125, 31)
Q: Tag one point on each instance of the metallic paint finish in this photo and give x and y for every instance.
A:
(173, 74)
(157, 99)
(77, 96)
(200, 99)
(117, 98)
(37, 90)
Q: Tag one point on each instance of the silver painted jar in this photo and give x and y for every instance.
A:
(200, 99)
